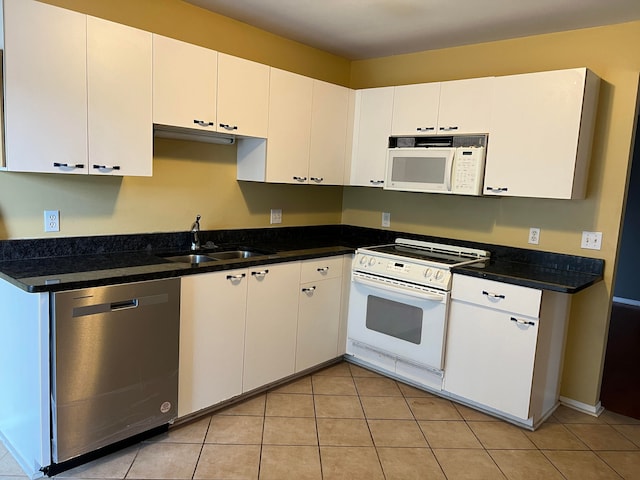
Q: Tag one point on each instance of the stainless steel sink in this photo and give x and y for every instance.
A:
(235, 254)
(193, 258)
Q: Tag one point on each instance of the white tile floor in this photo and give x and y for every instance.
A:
(348, 423)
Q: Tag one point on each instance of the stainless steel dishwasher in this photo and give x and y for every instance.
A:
(114, 364)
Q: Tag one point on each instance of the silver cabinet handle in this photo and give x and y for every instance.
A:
(239, 276)
(226, 126)
(522, 322)
(68, 165)
(492, 295)
(202, 123)
(309, 289)
(497, 189)
(106, 167)
(300, 179)
(317, 179)
(448, 129)
(425, 129)
(323, 269)
(261, 273)
(376, 182)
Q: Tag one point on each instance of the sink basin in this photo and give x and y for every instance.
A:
(235, 254)
(193, 258)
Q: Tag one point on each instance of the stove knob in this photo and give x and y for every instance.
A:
(372, 261)
(363, 259)
(439, 275)
(428, 272)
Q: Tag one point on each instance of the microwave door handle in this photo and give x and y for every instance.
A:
(449, 172)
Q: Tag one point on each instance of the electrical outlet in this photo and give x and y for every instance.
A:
(276, 215)
(52, 220)
(534, 236)
(591, 240)
(386, 219)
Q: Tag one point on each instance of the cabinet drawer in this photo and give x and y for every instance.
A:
(498, 295)
(321, 268)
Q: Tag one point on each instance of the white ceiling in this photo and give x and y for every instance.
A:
(359, 29)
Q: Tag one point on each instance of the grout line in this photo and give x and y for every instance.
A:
(204, 440)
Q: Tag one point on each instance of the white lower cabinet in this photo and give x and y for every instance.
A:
(272, 313)
(319, 312)
(212, 329)
(504, 347)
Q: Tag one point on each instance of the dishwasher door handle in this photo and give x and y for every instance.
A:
(133, 303)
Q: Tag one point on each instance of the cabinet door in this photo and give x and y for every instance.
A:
(329, 117)
(289, 127)
(318, 322)
(538, 155)
(272, 310)
(415, 109)
(212, 328)
(119, 65)
(185, 80)
(45, 85)
(465, 106)
(243, 96)
(490, 357)
(373, 111)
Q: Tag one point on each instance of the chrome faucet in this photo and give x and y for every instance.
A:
(195, 229)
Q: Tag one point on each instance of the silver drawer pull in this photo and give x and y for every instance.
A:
(106, 167)
(67, 165)
(376, 182)
(448, 129)
(497, 189)
(492, 295)
(261, 273)
(425, 129)
(202, 123)
(309, 289)
(300, 179)
(317, 179)
(226, 126)
(522, 322)
(323, 269)
(239, 276)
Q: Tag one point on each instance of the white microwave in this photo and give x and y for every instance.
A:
(443, 164)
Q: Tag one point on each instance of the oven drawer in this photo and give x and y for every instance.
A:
(321, 269)
(497, 295)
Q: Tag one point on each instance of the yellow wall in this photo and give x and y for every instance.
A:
(613, 54)
(194, 178)
(188, 178)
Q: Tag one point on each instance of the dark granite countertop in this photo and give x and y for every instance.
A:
(48, 265)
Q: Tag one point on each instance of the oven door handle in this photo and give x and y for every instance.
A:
(436, 297)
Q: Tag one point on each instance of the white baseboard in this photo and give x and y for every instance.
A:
(593, 410)
(626, 301)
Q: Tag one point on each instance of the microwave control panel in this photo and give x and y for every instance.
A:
(468, 171)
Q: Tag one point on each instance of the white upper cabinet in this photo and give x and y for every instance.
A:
(329, 127)
(289, 131)
(45, 83)
(185, 80)
(541, 131)
(243, 97)
(415, 109)
(371, 131)
(119, 68)
(465, 106)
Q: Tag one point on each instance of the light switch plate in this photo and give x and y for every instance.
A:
(591, 240)
(386, 219)
(276, 215)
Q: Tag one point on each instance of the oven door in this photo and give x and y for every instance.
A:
(419, 169)
(404, 320)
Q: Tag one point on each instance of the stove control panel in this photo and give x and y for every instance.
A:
(406, 270)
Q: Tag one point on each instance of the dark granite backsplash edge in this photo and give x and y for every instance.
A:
(282, 238)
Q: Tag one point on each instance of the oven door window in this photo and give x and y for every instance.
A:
(395, 319)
